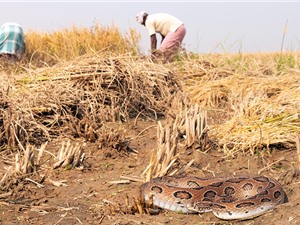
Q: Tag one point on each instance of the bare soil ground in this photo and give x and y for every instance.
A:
(89, 196)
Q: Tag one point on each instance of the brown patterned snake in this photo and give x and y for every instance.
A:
(228, 198)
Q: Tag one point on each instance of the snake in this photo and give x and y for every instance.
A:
(228, 198)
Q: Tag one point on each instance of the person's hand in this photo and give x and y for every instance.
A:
(157, 56)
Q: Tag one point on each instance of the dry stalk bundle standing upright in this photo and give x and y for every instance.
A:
(196, 127)
(166, 154)
(162, 162)
(25, 163)
(69, 156)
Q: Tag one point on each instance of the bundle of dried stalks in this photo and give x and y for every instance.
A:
(69, 156)
(165, 156)
(196, 127)
(24, 163)
(193, 123)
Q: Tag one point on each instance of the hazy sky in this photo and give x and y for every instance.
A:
(212, 26)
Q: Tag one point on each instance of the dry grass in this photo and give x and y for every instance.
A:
(47, 49)
(258, 95)
(69, 156)
(33, 161)
(298, 149)
(78, 97)
(190, 123)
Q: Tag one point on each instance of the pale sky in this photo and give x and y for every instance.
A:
(212, 26)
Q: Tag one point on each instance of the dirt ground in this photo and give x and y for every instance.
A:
(89, 196)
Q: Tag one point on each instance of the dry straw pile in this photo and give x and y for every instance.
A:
(256, 97)
(76, 97)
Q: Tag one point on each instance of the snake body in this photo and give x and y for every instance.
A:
(228, 198)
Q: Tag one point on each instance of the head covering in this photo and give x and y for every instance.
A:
(140, 16)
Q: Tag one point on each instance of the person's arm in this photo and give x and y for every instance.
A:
(162, 38)
(153, 43)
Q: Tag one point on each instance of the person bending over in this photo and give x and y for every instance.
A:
(171, 29)
(12, 41)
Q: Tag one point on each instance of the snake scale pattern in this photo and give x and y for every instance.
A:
(228, 198)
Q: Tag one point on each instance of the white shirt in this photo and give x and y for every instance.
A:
(162, 23)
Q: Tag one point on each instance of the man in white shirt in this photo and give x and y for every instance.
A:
(171, 29)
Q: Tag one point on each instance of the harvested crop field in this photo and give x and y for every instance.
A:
(79, 137)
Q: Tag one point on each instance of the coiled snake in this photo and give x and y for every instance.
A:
(228, 198)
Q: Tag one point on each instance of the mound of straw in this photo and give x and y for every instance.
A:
(257, 95)
(77, 97)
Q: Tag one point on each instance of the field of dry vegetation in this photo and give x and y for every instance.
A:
(85, 120)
